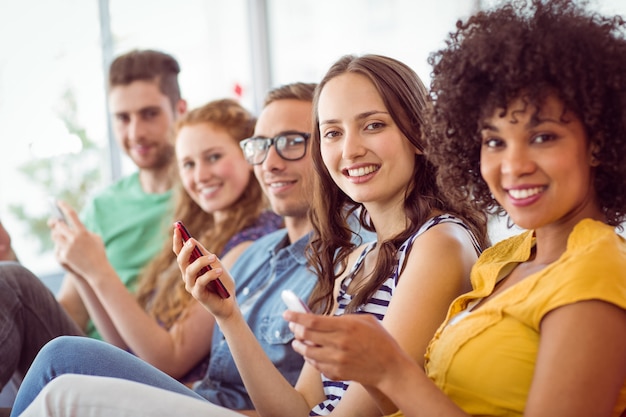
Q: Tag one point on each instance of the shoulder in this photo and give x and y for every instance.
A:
(594, 248)
(268, 255)
(257, 253)
(266, 223)
(270, 218)
(594, 266)
(271, 238)
(444, 233)
(129, 182)
(602, 239)
(123, 186)
(440, 250)
(264, 244)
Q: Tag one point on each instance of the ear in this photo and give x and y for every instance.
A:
(181, 107)
(593, 151)
(417, 151)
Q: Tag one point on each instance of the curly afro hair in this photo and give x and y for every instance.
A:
(532, 48)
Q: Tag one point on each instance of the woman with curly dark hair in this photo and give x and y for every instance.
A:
(529, 119)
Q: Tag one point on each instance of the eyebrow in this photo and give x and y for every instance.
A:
(284, 132)
(360, 116)
(147, 108)
(487, 126)
(533, 122)
(141, 110)
(209, 150)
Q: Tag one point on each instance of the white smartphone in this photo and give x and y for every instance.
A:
(55, 211)
(293, 302)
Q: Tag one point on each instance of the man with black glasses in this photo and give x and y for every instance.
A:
(282, 164)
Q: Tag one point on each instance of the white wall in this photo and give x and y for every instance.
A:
(46, 47)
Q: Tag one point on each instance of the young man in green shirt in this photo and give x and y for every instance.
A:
(132, 215)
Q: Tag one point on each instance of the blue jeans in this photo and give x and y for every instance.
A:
(80, 355)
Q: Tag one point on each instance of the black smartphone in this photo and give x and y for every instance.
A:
(215, 286)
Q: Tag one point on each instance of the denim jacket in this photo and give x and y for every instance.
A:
(267, 267)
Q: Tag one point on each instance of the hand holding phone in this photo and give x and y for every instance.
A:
(215, 286)
(293, 302)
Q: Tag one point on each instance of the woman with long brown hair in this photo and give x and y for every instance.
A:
(220, 202)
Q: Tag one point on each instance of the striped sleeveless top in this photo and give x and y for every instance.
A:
(377, 304)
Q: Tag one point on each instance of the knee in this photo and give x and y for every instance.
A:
(65, 350)
(13, 275)
(76, 354)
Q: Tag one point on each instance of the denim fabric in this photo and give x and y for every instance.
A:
(83, 355)
(269, 266)
(29, 317)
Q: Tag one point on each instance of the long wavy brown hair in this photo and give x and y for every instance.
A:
(160, 290)
(406, 99)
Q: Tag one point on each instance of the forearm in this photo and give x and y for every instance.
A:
(408, 387)
(139, 331)
(270, 392)
(71, 301)
(94, 309)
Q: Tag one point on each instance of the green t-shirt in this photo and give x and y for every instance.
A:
(133, 225)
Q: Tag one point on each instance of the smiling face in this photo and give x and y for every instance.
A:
(285, 183)
(143, 121)
(538, 165)
(362, 147)
(211, 165)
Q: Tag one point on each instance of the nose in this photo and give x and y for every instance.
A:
(273, 162)
(201, 173)
(136, 128)
(518, 161)
(352, 146)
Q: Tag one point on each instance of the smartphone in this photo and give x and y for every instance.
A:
(55, 211)
(215, 286)
(293, 302)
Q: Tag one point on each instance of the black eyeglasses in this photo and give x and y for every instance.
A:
(290, 146)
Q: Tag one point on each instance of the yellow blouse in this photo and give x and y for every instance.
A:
(485, 361)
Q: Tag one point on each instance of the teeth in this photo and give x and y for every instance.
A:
(359, 172)
(278, 184)
(208, 190)
(525, 193)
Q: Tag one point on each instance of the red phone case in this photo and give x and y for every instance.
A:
(215, 286)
